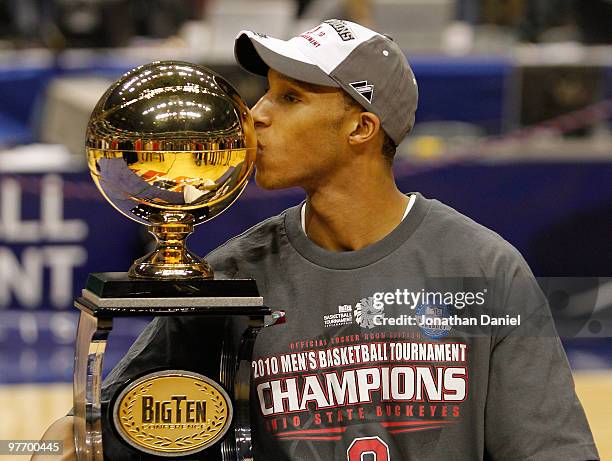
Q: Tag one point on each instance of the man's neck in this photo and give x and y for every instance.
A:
(344, 219)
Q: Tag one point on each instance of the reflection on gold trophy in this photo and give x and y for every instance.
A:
(171, 145)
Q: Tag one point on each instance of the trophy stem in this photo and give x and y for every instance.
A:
(171, 259)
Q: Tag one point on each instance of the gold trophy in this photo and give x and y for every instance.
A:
(170, 145)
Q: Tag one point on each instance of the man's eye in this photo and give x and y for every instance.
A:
(290, 98)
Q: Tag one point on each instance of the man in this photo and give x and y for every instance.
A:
(347, 377)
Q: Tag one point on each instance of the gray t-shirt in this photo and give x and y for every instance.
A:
(345, 379)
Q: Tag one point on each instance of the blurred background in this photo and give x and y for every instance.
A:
(513, 130)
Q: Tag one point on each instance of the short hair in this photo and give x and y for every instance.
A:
(389, 148)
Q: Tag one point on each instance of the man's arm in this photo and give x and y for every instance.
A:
(532, 411)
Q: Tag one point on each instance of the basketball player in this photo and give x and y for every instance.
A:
(351, 381)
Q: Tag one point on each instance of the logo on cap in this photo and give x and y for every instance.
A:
(341, 28)
(364, 89)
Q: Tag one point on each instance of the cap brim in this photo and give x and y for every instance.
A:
(256, 57)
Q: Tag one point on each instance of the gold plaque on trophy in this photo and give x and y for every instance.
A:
(172, 413)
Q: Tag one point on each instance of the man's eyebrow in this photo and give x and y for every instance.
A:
(312, 87)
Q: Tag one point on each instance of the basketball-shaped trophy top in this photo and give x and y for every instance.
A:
(171, 136)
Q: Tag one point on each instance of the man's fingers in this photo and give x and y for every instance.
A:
(59, 430)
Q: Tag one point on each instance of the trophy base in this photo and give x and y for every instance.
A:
(114, 294)
(121, 285)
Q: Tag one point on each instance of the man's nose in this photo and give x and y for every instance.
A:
(260, 113)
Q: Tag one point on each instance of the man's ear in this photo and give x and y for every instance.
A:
(367, 128)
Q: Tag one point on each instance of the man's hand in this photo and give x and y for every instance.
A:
(60, 430)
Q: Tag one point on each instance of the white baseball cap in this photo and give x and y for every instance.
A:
(367, 65)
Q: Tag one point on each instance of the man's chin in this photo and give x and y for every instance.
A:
(266, 182)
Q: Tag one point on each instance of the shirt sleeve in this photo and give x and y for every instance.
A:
(532, 411)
